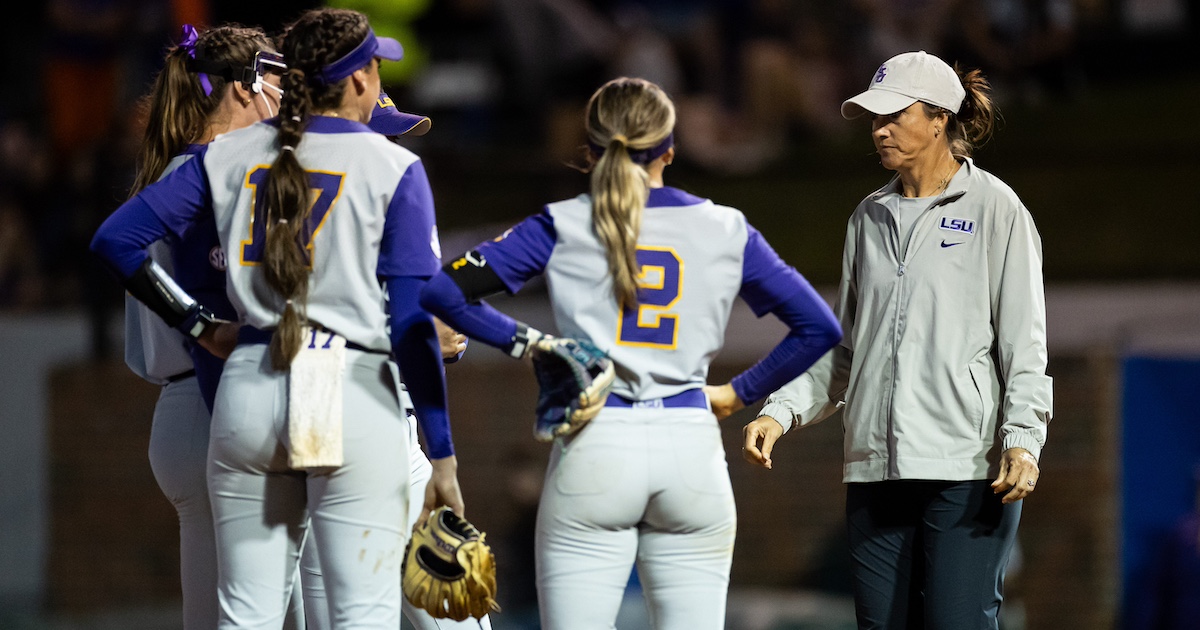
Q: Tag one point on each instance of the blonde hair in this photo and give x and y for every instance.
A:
(624, 114)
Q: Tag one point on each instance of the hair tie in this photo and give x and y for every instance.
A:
(286, 147)
(296, 119)
(643, 156)
(188, 43)
(620, 137)
(191, 38)
(283, 222)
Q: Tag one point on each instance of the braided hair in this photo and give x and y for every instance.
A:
(319, 37)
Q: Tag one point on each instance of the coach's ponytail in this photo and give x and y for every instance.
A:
(972, 127)
(182, 102)
(318, 38)
(623, 115)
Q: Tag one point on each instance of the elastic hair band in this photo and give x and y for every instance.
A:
(644, 156)
(286, 147)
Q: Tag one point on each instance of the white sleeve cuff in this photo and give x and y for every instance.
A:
(781, 413)
(1026, 441)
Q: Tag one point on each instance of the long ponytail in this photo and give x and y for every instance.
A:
(624, 114)
(318, 38)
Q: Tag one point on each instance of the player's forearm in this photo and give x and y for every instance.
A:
(419, 355)
(443, 297)
(813, 331)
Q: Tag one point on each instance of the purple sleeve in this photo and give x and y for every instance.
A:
(410, 246)
(419, 355)
(443, 297)
(766, 279)
(168, 206)
(522, 252)
(770, 285)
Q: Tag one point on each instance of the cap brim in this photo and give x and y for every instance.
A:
(877, 101)
(397, 123)
(389, 49)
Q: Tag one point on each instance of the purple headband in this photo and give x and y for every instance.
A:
(188, 45)
(644, 156)
(371, 46)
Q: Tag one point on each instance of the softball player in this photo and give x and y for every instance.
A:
(330, 232)
(649, 274)
(386, 119)
(199, 94)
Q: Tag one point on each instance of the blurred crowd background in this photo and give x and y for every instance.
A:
(1099, 139)
(757, 84)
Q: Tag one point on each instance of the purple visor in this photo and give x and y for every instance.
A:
(389, 121)
(644, 156)
(371, 47)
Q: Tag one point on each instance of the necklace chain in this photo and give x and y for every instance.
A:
(946, 180)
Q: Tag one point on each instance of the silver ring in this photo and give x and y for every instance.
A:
(1030, 482)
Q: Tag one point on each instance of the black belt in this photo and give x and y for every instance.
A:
(252, 335)
(180, 376)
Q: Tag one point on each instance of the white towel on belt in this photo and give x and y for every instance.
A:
(315, 401)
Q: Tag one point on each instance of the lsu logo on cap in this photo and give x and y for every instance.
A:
(385, 102)
(951, 224)
(880, 74)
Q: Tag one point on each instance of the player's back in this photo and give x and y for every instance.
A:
(691, 254)
(355, 175)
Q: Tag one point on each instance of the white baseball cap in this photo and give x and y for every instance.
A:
(905, 79)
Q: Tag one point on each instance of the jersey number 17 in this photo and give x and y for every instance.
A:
(326, 188)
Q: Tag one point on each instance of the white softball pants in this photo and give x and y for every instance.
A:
(649, 486)
(316, 606)
(179, 459)
(262, 508)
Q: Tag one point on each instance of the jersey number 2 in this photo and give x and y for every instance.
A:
(649, 324)
(326, 188)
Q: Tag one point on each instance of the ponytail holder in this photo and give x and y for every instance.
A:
(283, 222)
(296, 119)
(188, 44)
(620, 137)
(190, 37)
(287, 147)
(644, 156)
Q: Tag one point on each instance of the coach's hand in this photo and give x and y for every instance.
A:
(723, 400)
(759, 438)
(219, 340)
(1019, 474)
(443, 488)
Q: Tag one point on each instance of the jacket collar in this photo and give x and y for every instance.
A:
(956, 188)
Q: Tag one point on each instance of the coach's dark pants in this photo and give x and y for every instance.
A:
(928, 554)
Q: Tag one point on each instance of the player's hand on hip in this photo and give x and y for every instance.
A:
(759, 438)
(443, 488)
(219, 340)
(1019, 474)
(723, 401)
(452, 342)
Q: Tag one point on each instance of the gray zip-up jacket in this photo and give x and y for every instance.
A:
(943, 362)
